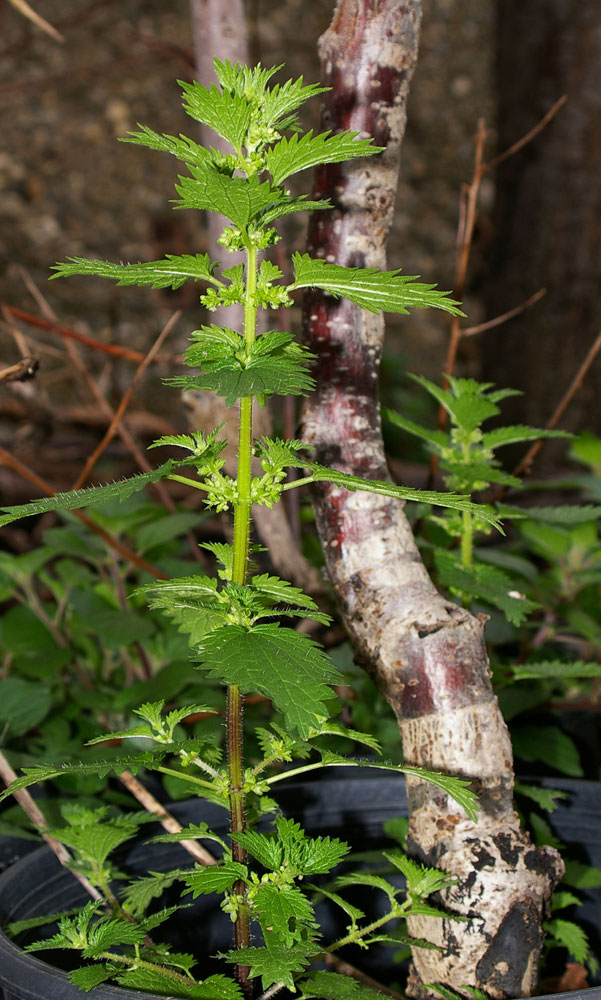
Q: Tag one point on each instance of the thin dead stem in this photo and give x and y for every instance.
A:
(524, 465)
(116, 421)
(167, 821)
(97, 345)
(529, 136)
(21, 371)
(38, 819)
(470, 331)
(40, 22)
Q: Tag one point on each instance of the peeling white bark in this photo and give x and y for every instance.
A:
(426, 654)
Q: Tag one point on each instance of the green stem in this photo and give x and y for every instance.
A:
(139, 963)
(467, 539)
(185, 777)
(362, 932)
(241, 546)
(296, 483)
(188, 482)
(467, 533)
(297, 770)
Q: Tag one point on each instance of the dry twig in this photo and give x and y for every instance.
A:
(38, 819)
(116, 421)
(115, 349)
(21, 371)
(167, 821)
(525, 464)
(40, 22)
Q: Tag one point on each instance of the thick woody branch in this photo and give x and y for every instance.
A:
(426, 654)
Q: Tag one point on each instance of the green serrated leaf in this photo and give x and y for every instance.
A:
(501, 436)
(277, 590)
(224, 555)
(458, 788)
(332, 729)
(124, 734)
(226, 113)
(100, 768)
(289, 156)
(280, 101)
(474, 476)
(139, 894)
(172, 272)
(466, 401)
(292, 849)
(546, 798)
(266, 848)
(240, 199)
(438, 439)
(218, 987)
(569, 935)
(335, 986)
(151, 981)
(567, 514)
(90, 976)
(277, 366)
(422, 880)
(182, 147)
(353, 912)
(451, 500)
(548, 744)
(561, 899)
(555, 668)
(372, 881)
(273, 964)
(386, 291)
(301, 204)
(286, 666)
(214, 878)
(277, 454)
(18, 926)
(94, 495)
(284, 913)
(487, 583)
(107, 933)
(581, 876)
(94, 843)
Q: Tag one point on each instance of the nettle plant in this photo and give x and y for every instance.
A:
(234, 622)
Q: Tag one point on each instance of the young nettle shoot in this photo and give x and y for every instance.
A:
(234, 621)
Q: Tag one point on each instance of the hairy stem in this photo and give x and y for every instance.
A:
(138, 963)
(467, 536)
(235, 701)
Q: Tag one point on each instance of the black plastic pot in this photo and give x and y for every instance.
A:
(348, 806)
(12, 849)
